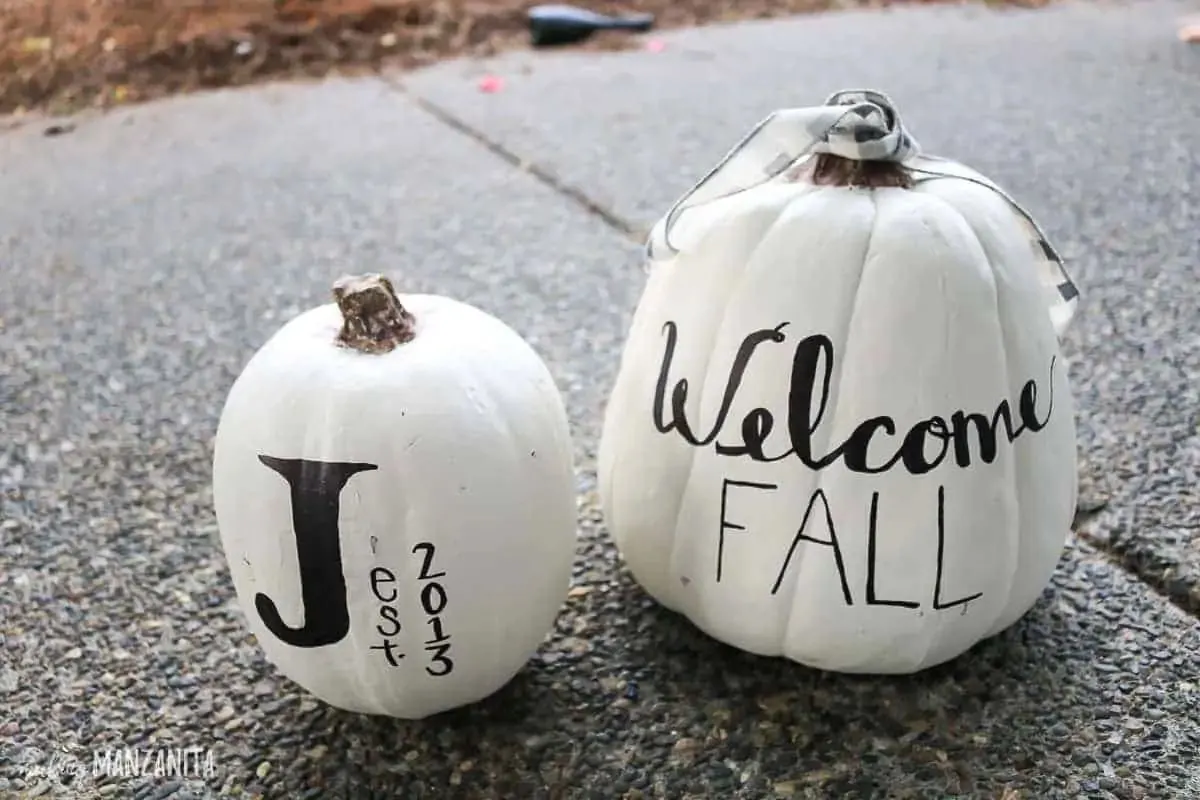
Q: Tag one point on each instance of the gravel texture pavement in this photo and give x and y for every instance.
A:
(147, 254)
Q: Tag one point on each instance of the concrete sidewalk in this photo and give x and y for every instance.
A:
(150, 251)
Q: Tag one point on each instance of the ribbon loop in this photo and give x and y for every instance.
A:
(867, 129)
(861, 125)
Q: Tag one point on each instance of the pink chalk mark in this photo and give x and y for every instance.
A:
(491, 84)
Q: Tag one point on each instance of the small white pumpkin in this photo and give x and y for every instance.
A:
(395, 495)
(842, 431)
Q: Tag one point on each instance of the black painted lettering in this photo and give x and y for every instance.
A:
(433, 598)
(390, 652)
(316, 488)
(756, 427)
(832, 543)
(912, 451)
(872, 532)
(961, 434)
(803, 420)
(732, 526)
(1027, 404)
(382, 575)
(433, 603)
(941, 555)
(988, 435)
(439, 635)
(808, 401)
(441, 658)
(854, 449)
(679, 419)
(427, 550)
(390, 615)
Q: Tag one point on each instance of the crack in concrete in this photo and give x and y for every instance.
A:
(1160, 575)
(1150, 569)
(544, 176)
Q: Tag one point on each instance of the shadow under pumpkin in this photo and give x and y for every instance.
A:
(655, 660)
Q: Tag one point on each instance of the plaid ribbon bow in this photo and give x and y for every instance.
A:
(863, 125)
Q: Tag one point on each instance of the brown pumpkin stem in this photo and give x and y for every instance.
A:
(831, 170)
(373, 321)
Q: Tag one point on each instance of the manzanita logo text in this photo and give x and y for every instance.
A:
(178, 762)
(128, 762)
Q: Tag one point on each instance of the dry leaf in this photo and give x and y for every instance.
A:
(36, 44)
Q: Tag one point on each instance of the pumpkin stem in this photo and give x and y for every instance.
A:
(831, 170)
(373, 321)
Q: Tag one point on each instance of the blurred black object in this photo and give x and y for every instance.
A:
(559, 24)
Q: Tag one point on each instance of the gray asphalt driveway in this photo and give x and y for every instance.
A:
(148, 253)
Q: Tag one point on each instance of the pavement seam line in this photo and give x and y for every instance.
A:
(545, 177)
(1141, 567)
(1146, 568)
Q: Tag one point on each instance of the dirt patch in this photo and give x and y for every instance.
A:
(61, 55)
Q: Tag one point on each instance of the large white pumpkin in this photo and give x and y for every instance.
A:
(842, 431)
(395, 494)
